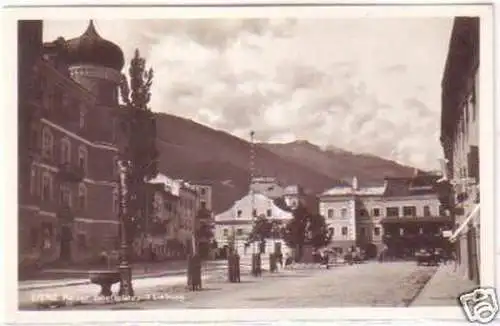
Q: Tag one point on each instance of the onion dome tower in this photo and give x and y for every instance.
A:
(96, 64)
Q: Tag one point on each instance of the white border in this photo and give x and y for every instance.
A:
(9, 208)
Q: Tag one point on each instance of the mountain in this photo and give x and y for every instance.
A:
(197, 153)
(338, 163)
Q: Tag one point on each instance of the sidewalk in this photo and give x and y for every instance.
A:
(79, 276)
(443, 288)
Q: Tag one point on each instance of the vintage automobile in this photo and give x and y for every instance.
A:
(427, 257)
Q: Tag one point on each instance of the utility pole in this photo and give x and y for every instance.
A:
(256, 261)
(137, 162)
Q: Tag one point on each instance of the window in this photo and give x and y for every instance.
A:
(116, 201)
(409, 211)
(331, 230)
(427, 211)
(363, 212)
(344, 230)
(343, 212)
(203, 204)
(47, 143)
(226, 232)
(254, 213)
(376, 231)
(65, 151)
(269, 213)
(376, 212)
(82, 158)
(392, 211)
(330, 213)
(239, 212)
(202, 191)
(33, 180)
(239, 232)
(82, 117)
(82, 196)
(46, 186)
(65, 196)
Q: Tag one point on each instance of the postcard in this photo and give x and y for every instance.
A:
(291, 163)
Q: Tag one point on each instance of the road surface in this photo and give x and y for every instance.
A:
(373, 284)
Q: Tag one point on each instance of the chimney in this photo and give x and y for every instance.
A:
(355, 183)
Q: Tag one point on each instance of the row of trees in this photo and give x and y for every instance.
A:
(304, 228)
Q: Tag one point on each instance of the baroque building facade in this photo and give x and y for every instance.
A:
(67, 195)
(403, 214)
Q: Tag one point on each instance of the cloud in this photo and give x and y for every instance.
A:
(358, 84)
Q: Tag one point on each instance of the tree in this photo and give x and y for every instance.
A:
(138, 140)
(320, 236)
(204, 226)
(306, 228)
(261, 230)
(294, 232)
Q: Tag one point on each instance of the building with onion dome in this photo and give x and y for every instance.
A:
(68, 102)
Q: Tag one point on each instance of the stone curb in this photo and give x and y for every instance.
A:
(61, 302)
(86, 282)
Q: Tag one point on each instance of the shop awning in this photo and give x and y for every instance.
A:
(474, 213)
(417, 219)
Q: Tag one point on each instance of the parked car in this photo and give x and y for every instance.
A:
(427, 257)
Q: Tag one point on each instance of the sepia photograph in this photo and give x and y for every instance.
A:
(252, 163)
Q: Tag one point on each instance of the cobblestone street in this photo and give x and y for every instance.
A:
(371, 284)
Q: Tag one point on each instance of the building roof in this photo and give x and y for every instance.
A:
(91, 48)
(403, 187)
(349, 191)
(170, 185)
(260, 202)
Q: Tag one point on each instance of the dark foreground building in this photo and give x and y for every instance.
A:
(460, 141)
(68, 99)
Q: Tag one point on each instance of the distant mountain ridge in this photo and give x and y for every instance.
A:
(198, 153)
(339, 163)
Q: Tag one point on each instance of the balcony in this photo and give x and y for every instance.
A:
(70, 173)
(65, 214)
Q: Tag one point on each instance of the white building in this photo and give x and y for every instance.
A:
(396, 214)
(341, 207)
(239, 218)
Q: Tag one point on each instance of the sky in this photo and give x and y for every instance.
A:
(367, 85)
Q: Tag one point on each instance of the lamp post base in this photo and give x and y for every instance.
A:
(126, 288)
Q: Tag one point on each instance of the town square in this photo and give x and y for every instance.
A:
(247, 163)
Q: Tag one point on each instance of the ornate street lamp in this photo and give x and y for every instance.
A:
(137, 162)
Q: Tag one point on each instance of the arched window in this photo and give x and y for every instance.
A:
(116, 200)
(82, 196)
(65, 196)
(47, 186)
(65, 150)
(82, 158)
(47, 143)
